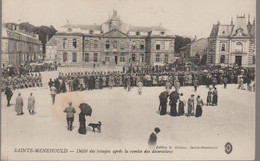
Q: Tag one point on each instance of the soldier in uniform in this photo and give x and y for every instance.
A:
(9, 94)
(195, 84)
(31, 104)
(19, 105)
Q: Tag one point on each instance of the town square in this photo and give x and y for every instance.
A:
(114, 90)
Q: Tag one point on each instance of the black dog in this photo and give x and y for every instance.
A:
(96, 125)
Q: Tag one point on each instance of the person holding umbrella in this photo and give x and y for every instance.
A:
(85, 109)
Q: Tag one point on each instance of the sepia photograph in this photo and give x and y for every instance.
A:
(128, 79)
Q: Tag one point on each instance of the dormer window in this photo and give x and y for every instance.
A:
(91, 32)
(137, 33)
(223, 32)
(162, 33)
(69, 29)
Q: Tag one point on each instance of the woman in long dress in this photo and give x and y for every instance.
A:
(82, 124)
(215, 97)
(181, 105)
(199, 106)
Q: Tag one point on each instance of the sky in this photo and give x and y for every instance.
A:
(182, 17)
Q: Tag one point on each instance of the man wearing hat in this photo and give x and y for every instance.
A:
(31, 103)
(19, 104)
(70, 110)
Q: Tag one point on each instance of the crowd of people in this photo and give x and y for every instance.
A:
(177, 102)
(21, 81)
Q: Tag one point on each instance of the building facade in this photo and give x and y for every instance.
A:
(19, 46)
(194, 51)
(113, 43)
(232, 44)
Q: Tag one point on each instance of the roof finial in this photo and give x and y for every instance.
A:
(248, 18)
(218, 22)
(231, 20)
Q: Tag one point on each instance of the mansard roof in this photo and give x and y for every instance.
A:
(114, 23)
(240, 29)
(83, 27)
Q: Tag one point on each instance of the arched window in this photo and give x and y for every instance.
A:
(239, 47)
(65, 57)
(166, 58)
(141, 58)
(133, 45)
(64, 43)
(95, 44)
(133, 57)
(95, 57)
(74, 43)
(158, 45)
(222, 59)
(157, 58)
(107, 44)
(115, 44)
(86, 57)
(223, 47)
(74, 57)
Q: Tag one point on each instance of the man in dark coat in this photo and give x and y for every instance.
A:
(195, 83)
(174, 96)
(50, 83)
(9, 94)
(163, 102)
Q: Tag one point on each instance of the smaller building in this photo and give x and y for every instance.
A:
(18, 46)
(194, 51)
(51, 50)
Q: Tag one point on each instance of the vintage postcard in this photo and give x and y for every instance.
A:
(128, 79)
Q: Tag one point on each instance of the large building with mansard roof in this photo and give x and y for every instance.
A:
(111, 43)
(233, 43)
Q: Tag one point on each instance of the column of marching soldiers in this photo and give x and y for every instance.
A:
(129, 77)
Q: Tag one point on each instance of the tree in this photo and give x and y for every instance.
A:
(42, 31)
(180, 42)
(45, 34)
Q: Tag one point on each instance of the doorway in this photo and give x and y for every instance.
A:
(238, 60)
(116, 61)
